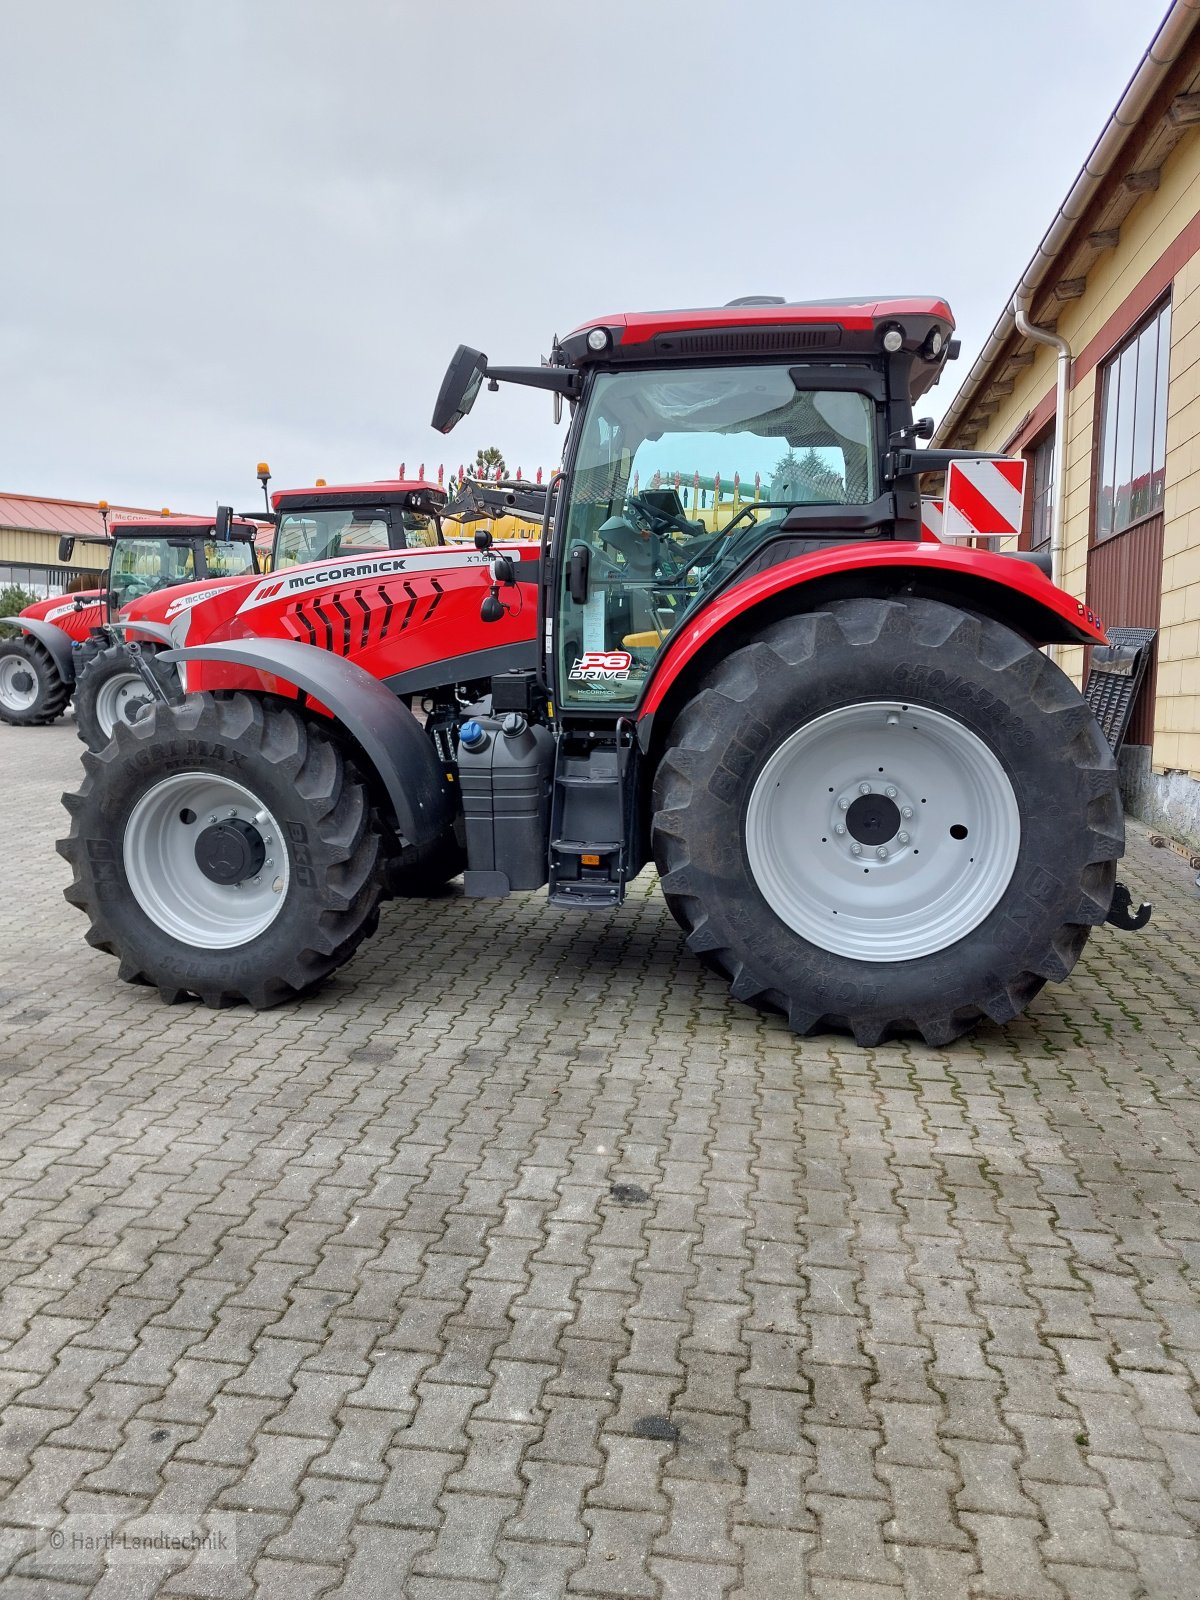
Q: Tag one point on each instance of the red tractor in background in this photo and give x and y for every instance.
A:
(873, 802)
(73, 645)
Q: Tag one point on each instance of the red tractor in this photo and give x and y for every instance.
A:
(873, 801)
(73, 645)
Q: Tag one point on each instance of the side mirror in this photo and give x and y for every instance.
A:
(66, 547)
(466, 372)
(221, 523)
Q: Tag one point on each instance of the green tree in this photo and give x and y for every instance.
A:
(486, 462)
(806, 478)
(14, 599)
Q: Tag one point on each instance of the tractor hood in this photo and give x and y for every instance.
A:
(59, 607)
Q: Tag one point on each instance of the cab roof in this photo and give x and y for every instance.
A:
(132, 526)
(856, 315)
(386, 491)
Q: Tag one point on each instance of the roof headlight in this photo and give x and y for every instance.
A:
(598, 339)
(935, 342)
(893, 338)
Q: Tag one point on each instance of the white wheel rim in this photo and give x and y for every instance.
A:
(166, 879)
(13, 671)
(121, 699)
(860, 892)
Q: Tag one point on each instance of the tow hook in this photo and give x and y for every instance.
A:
(1121, 913)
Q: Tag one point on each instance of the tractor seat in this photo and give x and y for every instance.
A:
(651, 639)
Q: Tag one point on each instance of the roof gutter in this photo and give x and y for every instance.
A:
(1164, 51)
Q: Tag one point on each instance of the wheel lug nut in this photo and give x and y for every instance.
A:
(906, 811)
(843, 805)
(213, 818)
(838, 828)
(864, 788)
(890, 791)
(856, 849)
(881, 852)
(901, 838)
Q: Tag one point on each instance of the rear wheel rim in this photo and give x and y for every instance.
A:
(18, 684)
(882, 832)
(164, 831)
(121, 698)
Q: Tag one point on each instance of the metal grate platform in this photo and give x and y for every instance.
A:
(1114, 678)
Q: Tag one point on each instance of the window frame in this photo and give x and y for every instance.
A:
(1161, 314)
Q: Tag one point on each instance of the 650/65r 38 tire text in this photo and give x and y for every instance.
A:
(222, 848)
(109, 689)
(888, 816)
(31, 690)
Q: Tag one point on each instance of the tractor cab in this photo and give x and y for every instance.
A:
(324, 523)
(152, 553)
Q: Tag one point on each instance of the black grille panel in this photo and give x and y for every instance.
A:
(748, 341)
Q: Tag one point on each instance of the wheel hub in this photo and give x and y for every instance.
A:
(873, 819)
(230, 851)
(22, 681)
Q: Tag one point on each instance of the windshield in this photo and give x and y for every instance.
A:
(677, 479)
(349, 530)
(140, 566)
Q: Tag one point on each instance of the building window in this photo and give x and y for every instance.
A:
(1133, 427)
(1041, 474)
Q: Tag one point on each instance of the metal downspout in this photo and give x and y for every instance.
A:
(1058, 507)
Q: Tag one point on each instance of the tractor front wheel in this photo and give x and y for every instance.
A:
(31, 688)
(889, 816)
(109, 689)
(221, 848)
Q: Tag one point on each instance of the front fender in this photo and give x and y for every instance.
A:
(386, 729)
(55, 641)
(1013, 591)
(152, 630)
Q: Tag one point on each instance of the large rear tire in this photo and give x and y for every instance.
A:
(109, 689)
(890, 817)
(31, 690)
(221, 848)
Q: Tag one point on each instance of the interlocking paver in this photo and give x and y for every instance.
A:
(548, 1270)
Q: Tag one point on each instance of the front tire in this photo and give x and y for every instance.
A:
(109, 689)
(221, 848)
(31, 689)
(889, 817)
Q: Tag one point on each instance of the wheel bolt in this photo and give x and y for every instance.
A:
(901, 838)
(838, 828)
(881, 852)
(843, 805)
(906, 811)
(856, 849)
(864, 788)
(213, 818)
(890, 791)
(233, 811)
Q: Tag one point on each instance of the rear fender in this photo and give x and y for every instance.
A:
(1015, 593)
(54, 639)
(385, 729)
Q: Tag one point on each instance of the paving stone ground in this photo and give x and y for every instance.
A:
(521, 1262)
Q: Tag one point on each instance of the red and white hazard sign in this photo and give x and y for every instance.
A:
(931, 518)
(983, 497)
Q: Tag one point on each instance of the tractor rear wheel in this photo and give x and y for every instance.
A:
(109, 689)
(31, 689)
(222, 848)
(889, 816)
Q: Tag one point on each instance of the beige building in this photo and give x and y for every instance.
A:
(1117, 278)
(30, 528)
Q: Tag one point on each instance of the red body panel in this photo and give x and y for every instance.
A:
(396, 611)
(61, 610)
(1021, 578)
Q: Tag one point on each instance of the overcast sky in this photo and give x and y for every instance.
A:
(236, 229)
